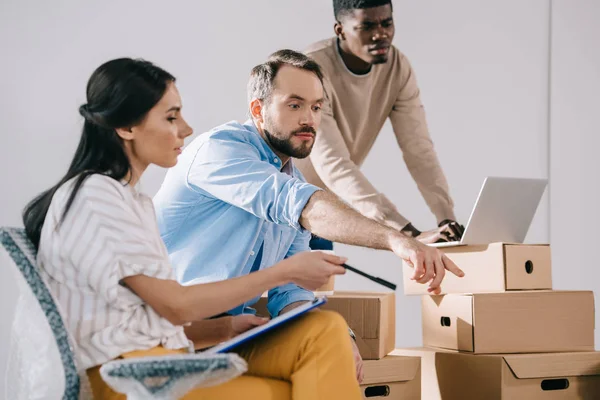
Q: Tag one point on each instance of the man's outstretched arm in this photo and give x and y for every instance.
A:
(328, 217)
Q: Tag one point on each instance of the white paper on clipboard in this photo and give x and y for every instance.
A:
(259, 330)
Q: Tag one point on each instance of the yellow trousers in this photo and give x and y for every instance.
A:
(308, 359)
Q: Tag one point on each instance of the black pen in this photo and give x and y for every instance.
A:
(381, 281)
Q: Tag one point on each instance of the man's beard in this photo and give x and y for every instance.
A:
(285, 146)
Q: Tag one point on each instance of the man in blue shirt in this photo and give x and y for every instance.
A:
(235, 202)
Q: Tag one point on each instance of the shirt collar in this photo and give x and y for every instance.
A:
(272, 157)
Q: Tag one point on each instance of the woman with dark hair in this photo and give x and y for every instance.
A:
(101, 254)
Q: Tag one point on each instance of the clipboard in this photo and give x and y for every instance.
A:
(259, 330)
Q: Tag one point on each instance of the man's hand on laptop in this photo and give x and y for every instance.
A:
(447, 231)
(429, 264)
(453, 229)
(436, 235)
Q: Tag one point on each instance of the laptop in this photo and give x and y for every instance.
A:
(503, 211)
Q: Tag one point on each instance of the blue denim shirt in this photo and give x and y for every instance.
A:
(229, 207)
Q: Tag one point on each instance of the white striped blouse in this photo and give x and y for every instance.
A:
(109, 233)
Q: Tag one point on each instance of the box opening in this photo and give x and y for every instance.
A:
(377, 391)
(555, 384)
(529, 267)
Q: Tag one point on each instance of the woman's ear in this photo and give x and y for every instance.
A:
(125, 133)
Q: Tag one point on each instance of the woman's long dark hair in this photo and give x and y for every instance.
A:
(119, 95)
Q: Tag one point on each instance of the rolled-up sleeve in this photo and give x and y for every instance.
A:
(282, 296)
(233, 171)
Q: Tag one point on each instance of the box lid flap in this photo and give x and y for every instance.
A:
(554, 365)
(390, 369)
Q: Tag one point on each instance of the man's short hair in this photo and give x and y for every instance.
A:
(342, 8)
(260, 85)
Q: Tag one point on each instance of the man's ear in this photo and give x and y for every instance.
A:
(125, 133)
(339, 30)
(256, 108)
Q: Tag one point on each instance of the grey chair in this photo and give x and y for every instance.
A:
(40, 359)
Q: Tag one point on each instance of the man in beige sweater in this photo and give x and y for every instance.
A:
(367, 81)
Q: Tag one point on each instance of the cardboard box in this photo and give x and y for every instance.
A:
(510, 322)
(393, 377)
(551, 376)
(496, 267)
(372, 317)
(430, 389)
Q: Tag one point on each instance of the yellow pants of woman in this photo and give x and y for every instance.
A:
(308, 359)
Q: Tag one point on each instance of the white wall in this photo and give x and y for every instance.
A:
(482, 67)
(574, 144)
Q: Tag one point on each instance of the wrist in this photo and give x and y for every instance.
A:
(280, 274)
(445, 222)
(291, 306)
(397, 240)
(225, 327)
(410, 231)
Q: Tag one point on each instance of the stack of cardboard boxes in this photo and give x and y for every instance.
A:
(501, 332)
(372, 317)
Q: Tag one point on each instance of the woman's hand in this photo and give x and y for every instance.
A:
(243, 322)
(312, 269)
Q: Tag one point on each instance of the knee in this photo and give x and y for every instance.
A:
(325, 333)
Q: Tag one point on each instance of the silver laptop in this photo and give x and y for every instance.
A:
(503, 211)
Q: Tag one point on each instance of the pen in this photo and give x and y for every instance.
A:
(381, 281)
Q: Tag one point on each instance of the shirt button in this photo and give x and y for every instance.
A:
(251, 253)
(276, 160)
